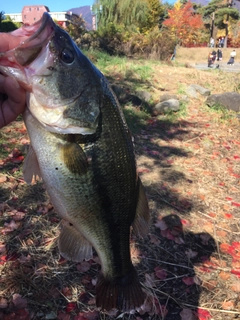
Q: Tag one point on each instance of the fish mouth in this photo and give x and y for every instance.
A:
(29, 49)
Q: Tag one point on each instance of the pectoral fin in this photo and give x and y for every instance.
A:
(72, 245)
(31, 168)
(141, 223)
(74, 158)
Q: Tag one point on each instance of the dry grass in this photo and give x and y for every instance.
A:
(190, 168)
(199, 55)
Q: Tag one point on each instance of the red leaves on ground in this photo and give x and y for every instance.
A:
(188, 281)
(160, 273)
(71, 306)
(233, 250)
(202, 314)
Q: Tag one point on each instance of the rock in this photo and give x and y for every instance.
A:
(166, 106)
(192, 92)
(229, 100)
(144, 95)
(201, 90)
(167, 96)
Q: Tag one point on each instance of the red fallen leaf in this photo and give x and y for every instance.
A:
(143, 170)
(202, 314)
(222, 184)
(18, 301)
(3, 179)
(3, 259)
(83, 266)
(89, 315)
(236, 245)
(236, 204)
(18, 159)
(236, 272)
(228, 215)
(225, 247)
(19, 315)
(228, 198)
(187, 314)
(236, 157)
(188, 280)
(160, 273)
(67, 291)
(3, 303)
(63, 316)
(71, 306)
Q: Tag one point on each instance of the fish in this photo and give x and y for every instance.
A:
(82, 149)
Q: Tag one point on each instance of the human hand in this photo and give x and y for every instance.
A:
(12, 96)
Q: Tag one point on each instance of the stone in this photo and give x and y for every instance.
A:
(167, 96)
(203, 91)
(192, 92)
(166, 106)
(229, 100)
(144, 95)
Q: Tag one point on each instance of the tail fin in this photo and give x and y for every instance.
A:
(124, 293)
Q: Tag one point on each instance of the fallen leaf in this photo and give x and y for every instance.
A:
(18, 301)
(83, 266)
(160, 273)
(187, 314)
(188, 280)
(224, 275)
(228, 305)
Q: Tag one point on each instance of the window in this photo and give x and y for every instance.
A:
(30, 9)
(25, 16)
(37, 9)
(34, 19)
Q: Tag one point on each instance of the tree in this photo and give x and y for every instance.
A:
(217, 15)
(128, 13)
(76, 26)
(184, 24)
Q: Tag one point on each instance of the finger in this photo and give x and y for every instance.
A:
(14, 104)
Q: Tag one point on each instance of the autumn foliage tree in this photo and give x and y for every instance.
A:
(184, 24)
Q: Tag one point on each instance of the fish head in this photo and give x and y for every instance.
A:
(64, 88)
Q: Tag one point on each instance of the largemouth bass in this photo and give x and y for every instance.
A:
(82, 149)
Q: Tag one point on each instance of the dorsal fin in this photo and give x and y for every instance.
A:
(72, 245)
(31, 168)
(142, 219)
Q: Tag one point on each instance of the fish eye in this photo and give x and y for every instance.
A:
(67, 56)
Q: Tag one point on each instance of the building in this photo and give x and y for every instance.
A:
(32, 13)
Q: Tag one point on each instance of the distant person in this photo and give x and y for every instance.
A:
(214, 56)
(219, 55)
(222, 42)
(210, 61)
(211, 42)
(232, 58)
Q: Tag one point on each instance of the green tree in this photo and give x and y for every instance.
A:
(129, 13)
(217, 15)
(7, 25)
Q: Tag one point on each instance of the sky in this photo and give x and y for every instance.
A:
(15, 6)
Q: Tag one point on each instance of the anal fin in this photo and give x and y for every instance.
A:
(31, 168)
(142, 219)
(72, 245)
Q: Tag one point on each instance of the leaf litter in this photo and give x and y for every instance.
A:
(189, 264)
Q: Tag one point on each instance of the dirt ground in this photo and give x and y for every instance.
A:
(189, 264)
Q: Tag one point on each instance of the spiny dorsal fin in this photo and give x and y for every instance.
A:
(31, 168)
(142, 219)
(72, 245)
